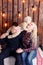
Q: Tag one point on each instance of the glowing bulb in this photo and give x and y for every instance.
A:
(9, 1)
(33, 8)
(23, 1)
(3, 15)
(19, 14)
(5, 24)
(39, 0)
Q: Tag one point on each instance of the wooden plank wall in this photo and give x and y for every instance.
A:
(10, 10)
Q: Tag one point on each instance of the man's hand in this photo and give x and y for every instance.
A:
(9, 36)
(19, 50)
(2, 36)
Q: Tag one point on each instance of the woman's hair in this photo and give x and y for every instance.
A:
(15, 24)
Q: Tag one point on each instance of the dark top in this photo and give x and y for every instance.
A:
(5, 51)
(3, 43)
(26, 40)
(23, 40)
(15, 42)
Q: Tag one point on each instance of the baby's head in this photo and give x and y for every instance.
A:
(28, 19)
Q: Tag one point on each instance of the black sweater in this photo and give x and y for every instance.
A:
(16, 42)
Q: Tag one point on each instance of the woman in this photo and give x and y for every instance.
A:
(29, 41)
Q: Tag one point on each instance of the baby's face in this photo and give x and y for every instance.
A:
(28, 25)
(14, 29)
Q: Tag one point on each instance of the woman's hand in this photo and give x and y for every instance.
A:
(19, 50)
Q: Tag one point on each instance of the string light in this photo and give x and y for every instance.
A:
(19, 14)
(3, 15)
(38, 0)
(33, 9)
(10, 1)
(5, 25)
(23, 1)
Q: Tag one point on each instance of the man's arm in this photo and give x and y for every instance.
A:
(5, 34)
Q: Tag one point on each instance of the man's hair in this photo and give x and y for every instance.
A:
(15, 24)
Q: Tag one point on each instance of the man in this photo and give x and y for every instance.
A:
(5, 51)
(13, 40)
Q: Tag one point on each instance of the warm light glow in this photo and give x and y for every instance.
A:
(5, 24)
(33, 9)
(4, 15)
(39, 0)
(19, 14)
(9, 0)
(23, 1)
